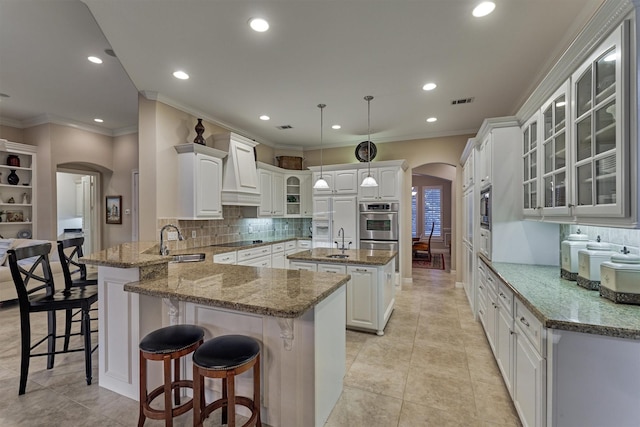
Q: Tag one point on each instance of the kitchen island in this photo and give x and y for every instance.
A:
(298, 316)
(371, 290)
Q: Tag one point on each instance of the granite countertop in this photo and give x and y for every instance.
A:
(142, 254)
(562, 304)
(264, 291)
(356, 256)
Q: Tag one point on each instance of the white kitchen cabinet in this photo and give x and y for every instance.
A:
(485, 161)
(226, 258)
(299, 265)
(21, 213)
(304, 245)
(199, 181)
(600, 139)
(505, 346)
(530, 183)
(340, 182)
(388, 184)
(298, 200)
(258, 256)
(332, 268)
(528, 381)
(468, 169)
(361, 297)
(492, 315)
(272, 199)
(278, 255)
(345, 217)
(322, 208)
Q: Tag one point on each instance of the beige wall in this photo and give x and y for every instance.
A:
(162, 127)
(447, 150)
(58, 145)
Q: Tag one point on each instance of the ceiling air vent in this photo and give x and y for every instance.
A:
(284, 127)
(462, 101)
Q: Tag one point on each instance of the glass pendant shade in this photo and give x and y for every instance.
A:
(369, 181)
(321, 184)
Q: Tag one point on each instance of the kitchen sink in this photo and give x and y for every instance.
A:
(188, 258)
(341, 256)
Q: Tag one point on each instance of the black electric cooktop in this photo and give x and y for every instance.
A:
(238, 244)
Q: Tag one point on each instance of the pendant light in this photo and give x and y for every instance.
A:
(369, 181)
(321, 183)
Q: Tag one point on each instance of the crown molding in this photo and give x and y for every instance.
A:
(125, 131)
(5, 121)
(609, 16)
(159, 97)
(63, 121)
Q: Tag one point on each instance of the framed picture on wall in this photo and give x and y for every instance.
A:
(114, 210)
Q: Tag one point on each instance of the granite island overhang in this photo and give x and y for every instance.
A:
(298, 317)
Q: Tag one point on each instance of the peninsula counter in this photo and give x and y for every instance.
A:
(298, 316)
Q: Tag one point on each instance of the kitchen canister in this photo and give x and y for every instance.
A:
(620, 278)
(589, 261)
(569, 253)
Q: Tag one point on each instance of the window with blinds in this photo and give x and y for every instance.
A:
(432, 198)
(414, 214)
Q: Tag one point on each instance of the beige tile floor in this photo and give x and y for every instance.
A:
(433, 367)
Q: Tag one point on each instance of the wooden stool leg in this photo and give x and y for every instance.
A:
(198, 396)
(256, 390)
(143, 389)
(176, 373)
(168, 420)
(225, 395)
(231, 398)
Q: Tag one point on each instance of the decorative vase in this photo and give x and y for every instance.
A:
(13, 160)
(199, 131)
(13, 178)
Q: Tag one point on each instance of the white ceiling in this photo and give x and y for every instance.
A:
(316, 51)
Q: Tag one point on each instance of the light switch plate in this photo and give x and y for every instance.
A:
(193, 234)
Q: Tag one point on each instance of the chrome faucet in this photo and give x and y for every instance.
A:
(163, 249)
(341, 234)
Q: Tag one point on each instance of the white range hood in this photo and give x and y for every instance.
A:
(240, 177)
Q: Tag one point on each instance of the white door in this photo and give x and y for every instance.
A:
(88, 211)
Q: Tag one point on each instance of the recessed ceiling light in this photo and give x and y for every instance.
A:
(95, 59)
(258, 24)
(180, 75)
(98, 120)
(265, 117)
(429, 86)
(483, 9)
(336, 127)
(431, 119)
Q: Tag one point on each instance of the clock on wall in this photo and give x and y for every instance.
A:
(364, 153)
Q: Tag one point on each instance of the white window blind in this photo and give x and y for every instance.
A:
(414, 215)
(432, 210)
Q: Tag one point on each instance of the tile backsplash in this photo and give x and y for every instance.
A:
(233, 228)
(617, 237)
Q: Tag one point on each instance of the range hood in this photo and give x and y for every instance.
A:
(240, 177)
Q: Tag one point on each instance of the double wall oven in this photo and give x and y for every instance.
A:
(379, 226)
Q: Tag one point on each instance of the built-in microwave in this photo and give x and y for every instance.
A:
(485, 208)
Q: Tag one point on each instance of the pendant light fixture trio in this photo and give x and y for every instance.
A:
(369, 181)
(321, 183)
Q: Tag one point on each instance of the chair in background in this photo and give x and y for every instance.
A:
(422, 246)
(75, 275)
(43, 297)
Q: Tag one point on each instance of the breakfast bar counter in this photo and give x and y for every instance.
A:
(298, 317)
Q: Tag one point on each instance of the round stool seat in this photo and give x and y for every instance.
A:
(226, 352)
(171, 339)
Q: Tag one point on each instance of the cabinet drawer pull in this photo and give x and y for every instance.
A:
(481, 287)
(523, 320)
(480, 311)
(361, 270)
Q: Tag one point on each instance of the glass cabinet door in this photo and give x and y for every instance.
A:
(293, 196)
(599, 140)
(554, 142)
(530, 166)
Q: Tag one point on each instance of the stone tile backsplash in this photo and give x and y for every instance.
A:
(617, 237)
(233, 228)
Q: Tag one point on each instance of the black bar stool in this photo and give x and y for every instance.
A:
(167, 344)
(225, 357)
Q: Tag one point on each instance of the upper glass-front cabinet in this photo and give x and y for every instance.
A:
(600, 138)
(555, 177)
(530, 166)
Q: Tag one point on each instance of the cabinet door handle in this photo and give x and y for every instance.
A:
(524, 321)
(361, 270)
(511, 332)
(481, 287)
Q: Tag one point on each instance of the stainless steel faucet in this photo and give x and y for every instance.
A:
(341, 234)
(163, 249)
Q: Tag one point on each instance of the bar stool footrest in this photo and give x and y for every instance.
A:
(224, 403)
(159, 414)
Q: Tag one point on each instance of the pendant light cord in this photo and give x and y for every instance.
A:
(368, 98)
(321, 107)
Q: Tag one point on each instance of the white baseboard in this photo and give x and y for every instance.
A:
(459, 285)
